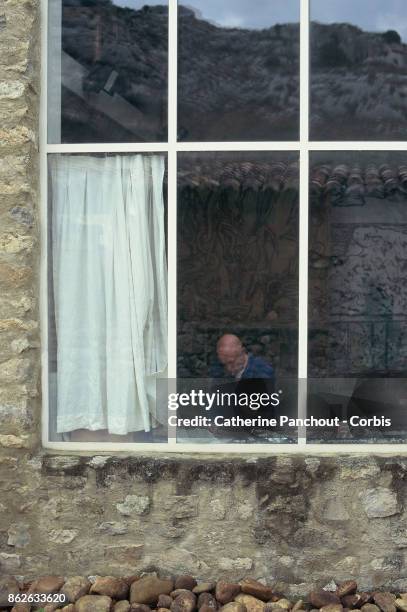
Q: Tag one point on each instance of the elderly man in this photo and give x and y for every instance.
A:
(239, 372)
(234, 362)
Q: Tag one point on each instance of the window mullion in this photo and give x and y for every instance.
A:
(43, 221)
(303, 216)
(172, 199)
(114, 147)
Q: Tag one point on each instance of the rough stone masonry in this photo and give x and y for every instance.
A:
(19, 225)
(301, 520)
(298, 520)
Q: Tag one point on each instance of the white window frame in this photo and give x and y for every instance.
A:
(171, 149)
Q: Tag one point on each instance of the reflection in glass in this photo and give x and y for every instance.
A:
(357, 284)
(107, 71)
(107, 300)
(358, 70)
(238, 70)
(238, 271)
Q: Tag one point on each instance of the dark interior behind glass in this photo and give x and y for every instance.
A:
(357, 289)
(238, 262)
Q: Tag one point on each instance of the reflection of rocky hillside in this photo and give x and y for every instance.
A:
(120, 57)
(233, 83)
(358, 84)
(236, 83)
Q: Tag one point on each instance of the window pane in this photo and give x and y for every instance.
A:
(107, 71)
(357, 285)
(107, 298)
(238, 70)
(238, 276)
(358, 70)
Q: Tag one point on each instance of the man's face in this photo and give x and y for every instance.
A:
(232, 358)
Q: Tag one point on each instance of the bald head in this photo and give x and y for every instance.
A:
(231, 353)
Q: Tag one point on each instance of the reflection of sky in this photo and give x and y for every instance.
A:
(246, 13)
(234, 13)
(138, 4)
(370, 15)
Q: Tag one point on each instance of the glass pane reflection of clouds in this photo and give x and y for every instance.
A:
(240, 13)
(138, 4)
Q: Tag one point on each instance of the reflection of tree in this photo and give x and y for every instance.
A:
(331, 55)
(391, 37)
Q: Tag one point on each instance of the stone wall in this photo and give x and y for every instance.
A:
(299, 520)
(19, 215)
(294, 519)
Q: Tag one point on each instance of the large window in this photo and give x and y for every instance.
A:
(224, 217)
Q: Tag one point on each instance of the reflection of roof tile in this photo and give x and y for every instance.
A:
(353, 183)
(277, 176)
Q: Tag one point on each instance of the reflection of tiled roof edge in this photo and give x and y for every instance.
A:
(337, 181)
(343, 181)
(244, 175)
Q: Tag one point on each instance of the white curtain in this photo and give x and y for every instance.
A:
(109, 274)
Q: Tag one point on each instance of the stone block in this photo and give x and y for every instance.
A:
(16, 136)
(126, 555)
(93, 603)
(14, 55)
(19, 535)
(62, 536)
(113, 528)
(182, 506)
(22, 215)
(13, 244)
(11, 89)
(218, 509)
(379, 502)
(335, 510)
(15, 277)
(251, 603)
(9, 563)
(11, 441)
(148, 589)
(75, 588)
(134, 505)
(240, 563)
(8, 586)
(15, 370)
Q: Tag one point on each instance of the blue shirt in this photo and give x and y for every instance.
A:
(256, 367)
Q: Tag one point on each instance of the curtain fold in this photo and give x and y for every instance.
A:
(109, 270)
